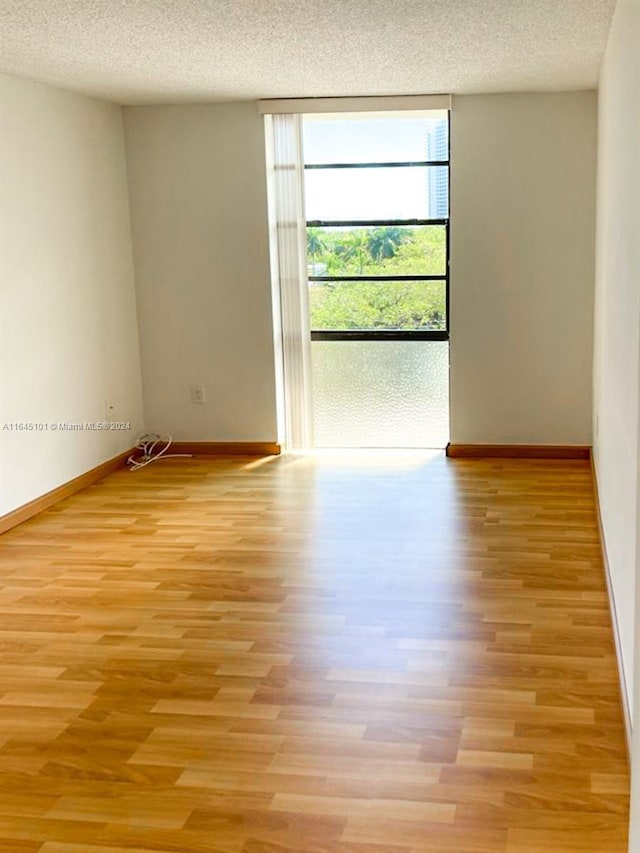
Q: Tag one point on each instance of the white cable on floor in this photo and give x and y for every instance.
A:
(147, 444)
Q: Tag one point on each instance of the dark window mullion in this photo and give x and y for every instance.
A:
(355, 223)
(380, 335)
(379, 278)
(394, 165)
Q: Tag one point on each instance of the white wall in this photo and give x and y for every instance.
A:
(522, 266)
(617, 316)
(68, 335)
(616, 355)
(199, 212)
(523, 221)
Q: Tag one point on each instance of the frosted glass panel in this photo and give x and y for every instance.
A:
(380, 393)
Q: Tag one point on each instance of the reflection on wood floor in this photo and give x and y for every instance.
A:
(374, 653)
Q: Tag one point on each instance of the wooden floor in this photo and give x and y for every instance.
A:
(347, 654)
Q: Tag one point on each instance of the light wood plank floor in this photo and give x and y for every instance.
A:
(365, 654)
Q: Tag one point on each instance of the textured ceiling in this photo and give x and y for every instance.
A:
(168, 51)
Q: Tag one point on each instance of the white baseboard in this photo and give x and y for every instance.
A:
(624, 692)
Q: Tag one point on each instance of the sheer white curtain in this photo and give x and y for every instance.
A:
(289, 275)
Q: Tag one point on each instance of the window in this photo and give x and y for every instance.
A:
(359, 223)
(377, 210)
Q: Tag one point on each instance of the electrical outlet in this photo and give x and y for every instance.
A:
(197, 394)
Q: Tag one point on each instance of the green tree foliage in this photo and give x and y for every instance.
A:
(316, 245)
(380, 251)
(383, 242)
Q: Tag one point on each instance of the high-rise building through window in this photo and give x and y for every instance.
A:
(438, 177)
